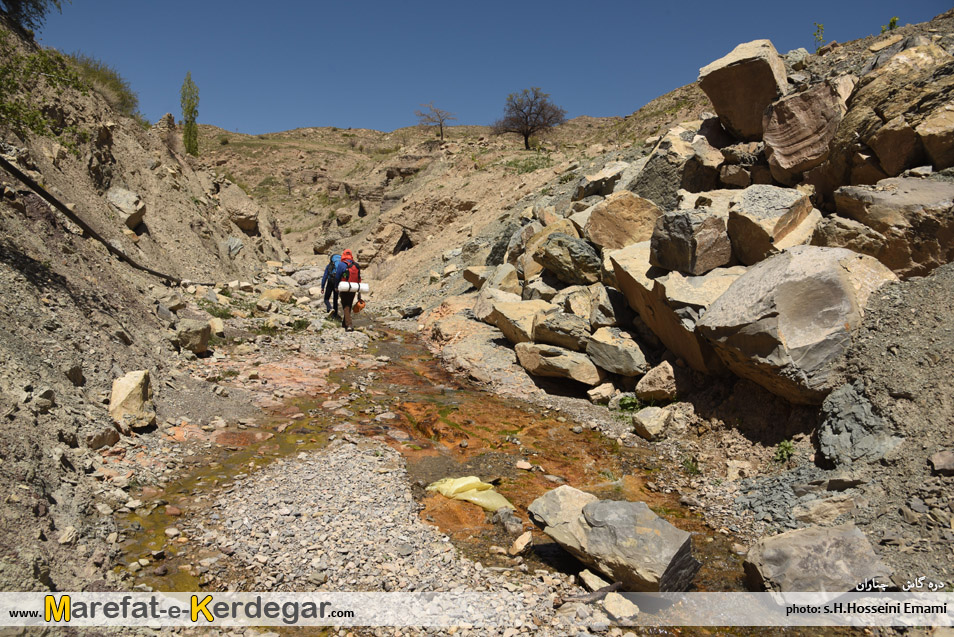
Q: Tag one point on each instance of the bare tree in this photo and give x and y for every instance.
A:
(529, 112)
(434, 116)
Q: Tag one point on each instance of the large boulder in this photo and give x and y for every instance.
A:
(563, 330)
(913, 84)
(815, 559)
(671, 304)
(516, 320)
(130, 402)
(128, 204)
(841, 232)
(936, 133)
(787, 319)
(241, 210)
(600, 183)
(798, 129)
(527, 266)
(570, 259)
(484, 304)
(742, 84)
(617, 352)
(556, 362)
(915, 217)
(897, 146)
(193, 335)
(690, 241)
(518, 241)
(684, 159)
(504, 277)
(761, 217)
(623, 540)
(621, 219)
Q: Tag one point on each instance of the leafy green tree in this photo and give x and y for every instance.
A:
(190, 110)
(30, 14)
(529, 112)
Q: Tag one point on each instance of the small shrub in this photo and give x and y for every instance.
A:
(223, 140)
(214, 309)
(529, 164)
(300, 324)
(819, 36)
(567, 178)
(784, 451)
(629, 403)
(690, 466)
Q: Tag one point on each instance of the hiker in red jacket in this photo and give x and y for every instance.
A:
(348, 271)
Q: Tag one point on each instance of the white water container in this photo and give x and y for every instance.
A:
(345, 286)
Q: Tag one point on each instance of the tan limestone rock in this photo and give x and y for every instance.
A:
(516, 320)
(130, 402)
(620, 220)
(742, 84)
(555, 362)
(915, 217)
(937, 135)
(761, 217)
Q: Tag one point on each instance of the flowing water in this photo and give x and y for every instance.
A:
(444, 429)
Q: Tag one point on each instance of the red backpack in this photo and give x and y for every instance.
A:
(352, 273)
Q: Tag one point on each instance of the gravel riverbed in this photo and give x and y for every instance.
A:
(343, 518)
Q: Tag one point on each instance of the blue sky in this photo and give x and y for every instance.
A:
(272, 66)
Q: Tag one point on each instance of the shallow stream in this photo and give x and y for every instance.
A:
(444, 429)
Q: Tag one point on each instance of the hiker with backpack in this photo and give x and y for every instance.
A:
(347, 271)
(329, 283)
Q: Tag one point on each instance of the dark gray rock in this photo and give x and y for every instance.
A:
(572, 260)
(690, 241)
(852, 431)
(624, 540)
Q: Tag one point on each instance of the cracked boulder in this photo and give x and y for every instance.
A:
(787, 319)
(623, 540)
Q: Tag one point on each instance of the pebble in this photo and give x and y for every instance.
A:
(358, 528)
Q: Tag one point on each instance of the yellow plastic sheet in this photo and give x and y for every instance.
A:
(471, 489)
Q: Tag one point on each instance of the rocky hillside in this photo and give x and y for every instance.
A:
(754, 254)
(75, 318)
(734, 271)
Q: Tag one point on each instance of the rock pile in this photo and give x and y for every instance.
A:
(717, 238)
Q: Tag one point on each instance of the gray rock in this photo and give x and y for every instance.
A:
(761, 217)
(128, 204)
(651, 422)
(571, 260)
(563, 330)
(851, 430)
(617, 352)
(833, 559)
(600, 183)
(785, 321)
(690, 241)
(624, 540)
(683, 160)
